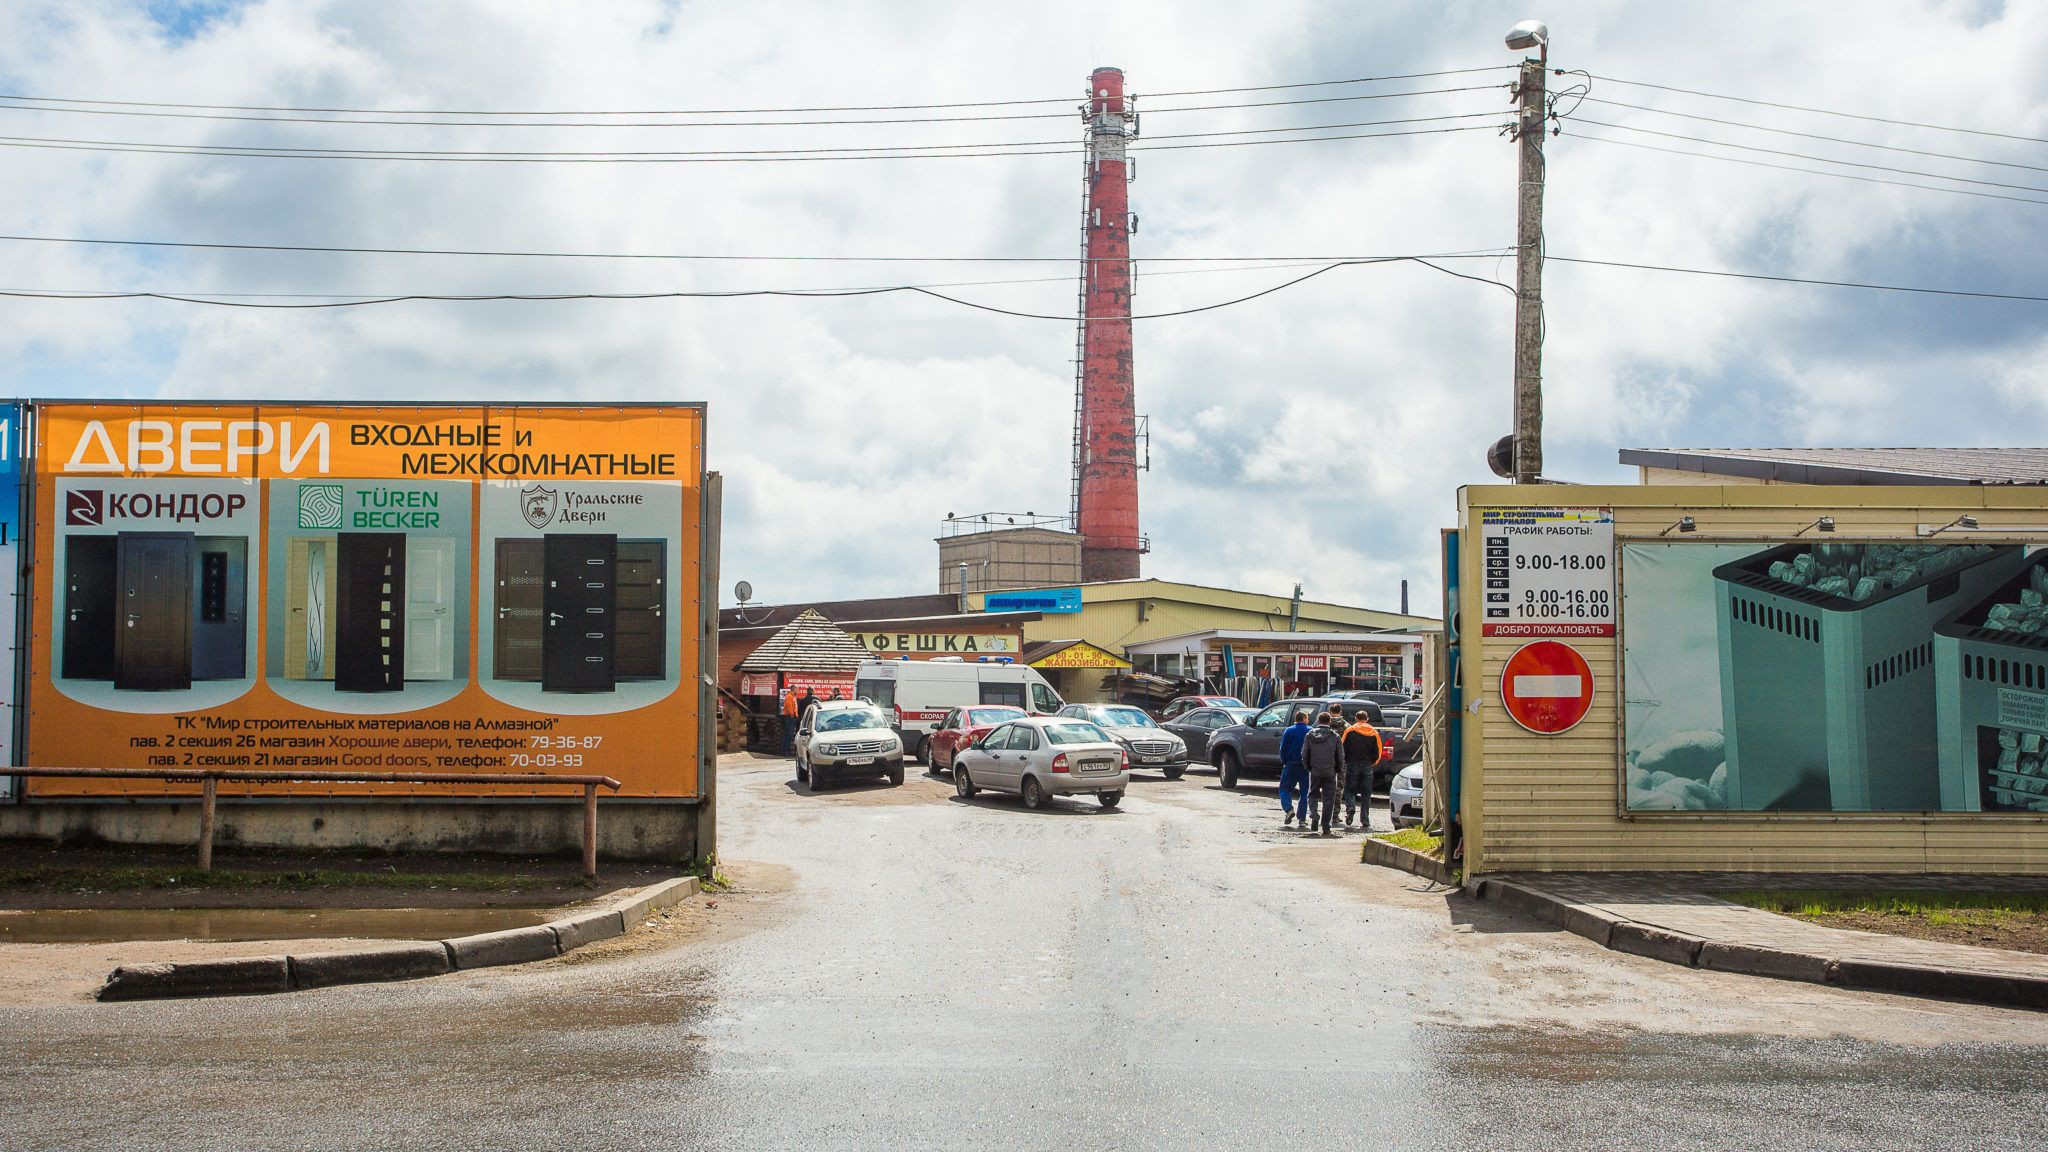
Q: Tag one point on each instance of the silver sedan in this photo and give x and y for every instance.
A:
(1044, 756)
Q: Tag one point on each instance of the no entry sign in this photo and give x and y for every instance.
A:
(1547, 687)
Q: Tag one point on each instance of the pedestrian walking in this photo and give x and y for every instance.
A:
(1364, 748)
(1293, 777)
(1322, 754)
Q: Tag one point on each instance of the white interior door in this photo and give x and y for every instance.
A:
(429, 609)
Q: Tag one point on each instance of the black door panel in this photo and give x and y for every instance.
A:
(89, 596)
(369, 612)
(579, 602)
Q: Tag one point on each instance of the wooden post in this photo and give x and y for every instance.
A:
(207, 787)
(590, 830)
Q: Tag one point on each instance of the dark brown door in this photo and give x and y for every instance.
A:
(579, 602)
(89, 596)
(515, 642)
(642, 620)
(369, 612)
(153, 642)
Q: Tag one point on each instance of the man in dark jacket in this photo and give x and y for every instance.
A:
(1322, 753)
(1363, 750)
(1293, 778)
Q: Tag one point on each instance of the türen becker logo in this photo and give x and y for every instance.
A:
(82, 507)
(538, 504)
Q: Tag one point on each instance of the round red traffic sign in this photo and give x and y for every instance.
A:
(1547, 687)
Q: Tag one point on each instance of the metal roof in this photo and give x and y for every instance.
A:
(1854, 465)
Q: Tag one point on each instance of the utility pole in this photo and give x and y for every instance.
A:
(1529, 90)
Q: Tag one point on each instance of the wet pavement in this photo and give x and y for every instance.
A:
(70, 926)
(899, 968)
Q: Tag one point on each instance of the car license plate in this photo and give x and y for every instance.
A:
(857, 761)
(1150, 759)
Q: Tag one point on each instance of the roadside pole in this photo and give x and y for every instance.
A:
(1528, 456)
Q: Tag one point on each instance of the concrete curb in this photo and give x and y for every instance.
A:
(257, 975)
(1387, 855)
(2005, 989)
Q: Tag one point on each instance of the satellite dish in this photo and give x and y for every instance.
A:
(744, 590)
(1501, 457)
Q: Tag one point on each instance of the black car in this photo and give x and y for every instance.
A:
(1254, 747)
(1195, 726)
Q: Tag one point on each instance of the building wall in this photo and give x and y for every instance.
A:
(1109, 616)
(1010, 558)
(1534, 803)
(1680, 476)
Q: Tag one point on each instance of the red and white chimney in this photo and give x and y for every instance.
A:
(1105, 416)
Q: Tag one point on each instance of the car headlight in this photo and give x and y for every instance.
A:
(829, 749)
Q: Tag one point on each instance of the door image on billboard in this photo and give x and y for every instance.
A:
(641, 616)
(153, 606)
(579, 601)
(369, 614)
(515, 651)
(430, 609)
(89, 599)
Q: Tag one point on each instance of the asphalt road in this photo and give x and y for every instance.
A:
(897, 968)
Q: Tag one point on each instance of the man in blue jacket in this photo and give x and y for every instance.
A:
(1293, 776)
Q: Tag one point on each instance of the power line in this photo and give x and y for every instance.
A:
(1808, 156)
(1806, 280)
(804, 258)
(244, 117)
(1808, 171)
(240, 152)
(408, 153)
(1824, 111)
(731, 111)
(222, 301)
(1812, 135)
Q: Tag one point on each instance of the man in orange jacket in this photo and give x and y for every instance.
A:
(789, 719)
(1364, 748)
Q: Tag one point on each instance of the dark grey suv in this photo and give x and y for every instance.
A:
(1253, 749)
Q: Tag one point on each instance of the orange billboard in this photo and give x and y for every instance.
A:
(416, 588)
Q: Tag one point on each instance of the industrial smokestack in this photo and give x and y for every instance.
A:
(1105, 412)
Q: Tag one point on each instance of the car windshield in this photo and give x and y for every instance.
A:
(1122, 717)
(846, 720)
(986, 717)
(1075, 732)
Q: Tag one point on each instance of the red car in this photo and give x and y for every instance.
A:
(961, 727)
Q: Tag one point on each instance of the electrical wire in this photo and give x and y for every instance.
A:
(1808, 156)
(1814, 135)
(243, 117)
(407, 153)
(1965, 293)
(1823, 111)
(507, 252)
(1808, 171)
(1076, 148)
(733, 111)
(222, 301)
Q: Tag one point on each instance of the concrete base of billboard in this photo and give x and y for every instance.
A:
(666, 831)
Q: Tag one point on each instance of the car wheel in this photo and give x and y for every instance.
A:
(1034, 793)
(924, 751)
(963, 784)
(803, 774)
(1110, 799)
(1227, 768)
(817, 778)
(896, 772)
(1176, 771)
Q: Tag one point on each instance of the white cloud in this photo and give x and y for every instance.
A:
(1316, 434)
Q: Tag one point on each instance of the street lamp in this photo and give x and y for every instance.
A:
(1530, 34)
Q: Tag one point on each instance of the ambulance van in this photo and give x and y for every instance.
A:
(921, 692)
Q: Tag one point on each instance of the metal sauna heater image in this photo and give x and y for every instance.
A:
(1828, 670)
(1991, 685)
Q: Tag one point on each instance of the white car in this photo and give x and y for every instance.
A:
(1044, 756)
(846, 738)
(1404, 796)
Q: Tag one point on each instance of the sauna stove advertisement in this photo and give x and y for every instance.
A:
(1835, 676)
(418, 589)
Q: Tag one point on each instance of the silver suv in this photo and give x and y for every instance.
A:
(846, 738)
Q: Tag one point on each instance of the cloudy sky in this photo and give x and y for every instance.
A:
(1316, 434)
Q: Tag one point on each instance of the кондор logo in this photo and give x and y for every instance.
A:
(83, 507)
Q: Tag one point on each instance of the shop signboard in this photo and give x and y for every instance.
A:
(1798, 675)
(13, 442)
(1547, 571)
(419, 588)
(1047, 600)
(823, 685)
(1313, 663)
(938, 643)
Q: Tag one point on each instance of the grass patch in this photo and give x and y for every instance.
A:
(127, 878)
(1415, 840)
(1940, 908)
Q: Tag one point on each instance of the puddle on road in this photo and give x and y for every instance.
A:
(90, 926)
